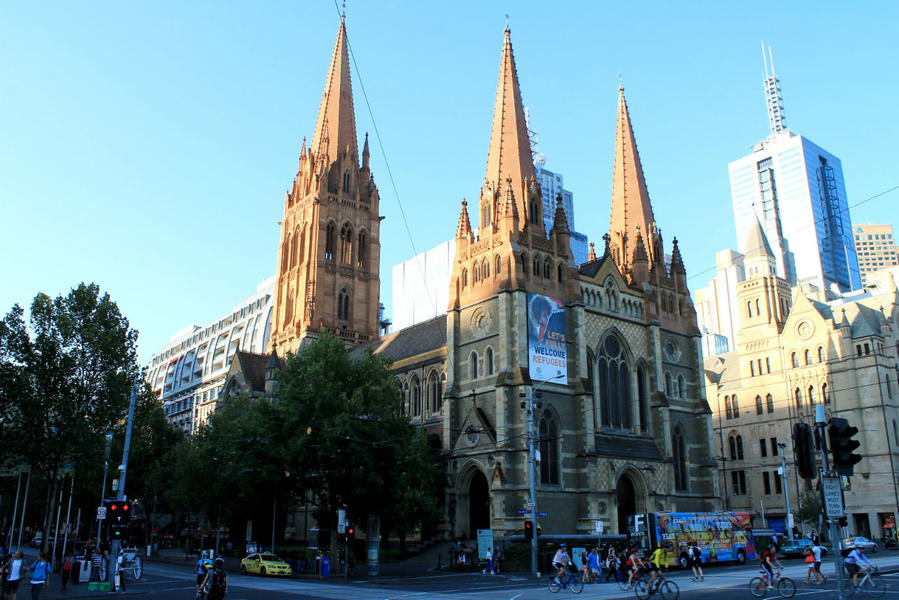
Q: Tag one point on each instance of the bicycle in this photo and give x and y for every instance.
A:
(866, 584)
(785, 586)
(622, 580)
(666, 588)
(571, 582)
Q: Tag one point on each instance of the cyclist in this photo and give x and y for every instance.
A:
(561, 560)
(634, 564)
(855, 562)
(769, 563)
(657, 561)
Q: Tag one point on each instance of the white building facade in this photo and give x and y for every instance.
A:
(716, 305)
(188, 373)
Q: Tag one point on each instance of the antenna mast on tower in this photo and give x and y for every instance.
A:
(774, 102)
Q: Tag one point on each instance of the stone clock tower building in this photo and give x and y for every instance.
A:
(328, 258)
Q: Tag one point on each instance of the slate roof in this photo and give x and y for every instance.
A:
(866, 322)
(627, 446)
(590, 269)
(411, 341)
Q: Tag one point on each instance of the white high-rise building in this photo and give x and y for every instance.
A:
(421, 285)
(716, 305)
(551, 187)
(188, 373)
(795, 189)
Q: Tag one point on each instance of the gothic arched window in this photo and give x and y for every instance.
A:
(485, 268)
(362, 249)
(728, 411)
(489, 361)
(464, 277)
(736, 406)
(679, 447)
(547, 269)
(476, 272)
(343, 305)
(346, 244)
(536, 266)
(811, 396)
(346, 181)
(808, 357)
(497, 269)
(669, 388)
(759, 409)
(473, 365)
(769, 403)
(524, 264)
(824, 395)
(820, 354)
(643, 398)
(330, 241)
(614, 385)
(534, 212)
(561, 273)
(301, 252)
(798, 396)
(794, 360)
(681, 386)
(549, 449)
(433, 393)
(416, 397)
(294, 240)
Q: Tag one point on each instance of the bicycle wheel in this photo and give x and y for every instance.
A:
(138, 568)
(575, 584)
(846, 585)
(873, 588)
(554, 585)
(621, 578)
(669, 590)
(758, 587)
(641, 589)
(786, 587)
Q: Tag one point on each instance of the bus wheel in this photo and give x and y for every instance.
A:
(741, 557)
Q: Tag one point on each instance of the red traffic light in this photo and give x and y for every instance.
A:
(351, 531)
(125, 506)
(114, 507)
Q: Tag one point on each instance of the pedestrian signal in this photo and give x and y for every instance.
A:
(528, 530)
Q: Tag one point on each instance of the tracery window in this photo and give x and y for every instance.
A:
(362, 249)
(416, 396)
(614, 385)
(549, 449)
(489, 361)
(343, 305)
(433, 393)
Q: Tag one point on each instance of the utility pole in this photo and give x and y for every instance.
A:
(532, 482)
(120, 494)
(783, 477)
(832, 521)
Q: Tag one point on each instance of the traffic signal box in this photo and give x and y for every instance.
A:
(840, 433)
(528, 530)
(804, 451)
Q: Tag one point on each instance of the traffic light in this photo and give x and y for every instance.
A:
(117, 531)
(350, 532)
(804, 451)
(840, 433)
(528, 530)
(843, 522)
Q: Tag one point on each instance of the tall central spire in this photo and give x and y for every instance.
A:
(335, 129)
(509, 156)
(631, 209)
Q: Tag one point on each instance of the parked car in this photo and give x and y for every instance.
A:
(863, 543)
(265, 564)
(797, 547)
(39, 539)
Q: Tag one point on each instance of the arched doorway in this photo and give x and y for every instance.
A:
(626, 494)
(478, 504)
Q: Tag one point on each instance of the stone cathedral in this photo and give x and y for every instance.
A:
(623, 427)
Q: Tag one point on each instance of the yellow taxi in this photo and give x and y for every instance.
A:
(264, 564)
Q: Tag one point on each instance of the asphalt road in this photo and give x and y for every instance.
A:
(163, 581)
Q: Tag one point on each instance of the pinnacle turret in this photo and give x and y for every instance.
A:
(464, 228)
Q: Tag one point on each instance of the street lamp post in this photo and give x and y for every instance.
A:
(532, 468)
(103, 489)
(783, 476)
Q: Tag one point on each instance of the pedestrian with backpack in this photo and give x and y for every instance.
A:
(203, 568)
(694, 556)
(216, 582)
(40, 574)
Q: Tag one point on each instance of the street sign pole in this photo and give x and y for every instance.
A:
(120, 493)
(532, 483)
(833, 509)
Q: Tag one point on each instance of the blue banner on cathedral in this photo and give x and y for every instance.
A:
(547, 351)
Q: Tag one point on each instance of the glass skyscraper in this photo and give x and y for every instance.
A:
(795, 190)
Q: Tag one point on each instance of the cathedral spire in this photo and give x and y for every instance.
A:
(335, 128)
(509, 155)
(464, 228)
(630, 200)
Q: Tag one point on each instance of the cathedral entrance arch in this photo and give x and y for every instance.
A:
(627, 501)
(478, 503)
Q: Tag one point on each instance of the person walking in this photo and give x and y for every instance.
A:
(817, 553)
(120, 570)
(66, 570)
(216, 581)
(40, 575)
(13, 569)
(694, 556)
(96, 565)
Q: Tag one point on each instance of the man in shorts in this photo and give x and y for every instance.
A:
(561, 560)
(658, 560)
(855, 563)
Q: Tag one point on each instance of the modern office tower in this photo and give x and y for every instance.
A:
(551, 186)
(188, 373)
(876, 249)
(795, 189)
(716, 305)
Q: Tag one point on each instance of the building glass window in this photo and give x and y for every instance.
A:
(758, 405)
(549, 449)
(679, 447)
(614, 385)
(766, 482)
(763, 447)
(769, 402)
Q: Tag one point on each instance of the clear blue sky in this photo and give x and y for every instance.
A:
(147, 146)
